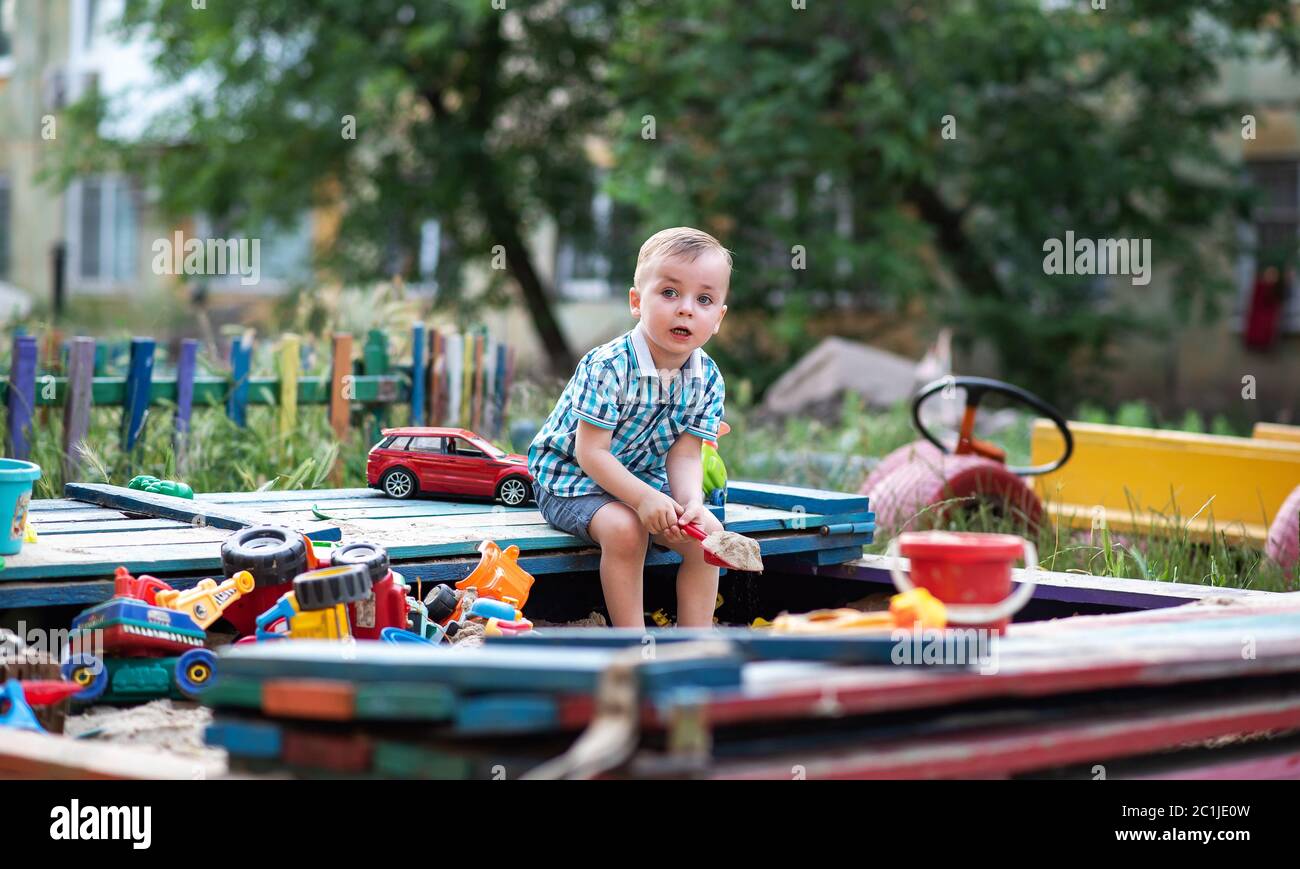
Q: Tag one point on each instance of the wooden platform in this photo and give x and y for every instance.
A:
(83, 538)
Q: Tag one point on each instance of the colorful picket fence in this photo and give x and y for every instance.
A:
(453, 378)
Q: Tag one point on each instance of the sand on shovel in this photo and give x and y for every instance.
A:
(735, 549)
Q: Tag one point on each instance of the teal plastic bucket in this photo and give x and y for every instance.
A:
(16, 478)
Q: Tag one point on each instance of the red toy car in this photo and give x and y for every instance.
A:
(446, 461)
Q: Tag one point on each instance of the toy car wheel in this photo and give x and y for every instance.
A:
(324, 588)
(441, 603)
(89, 672)
(196, 670)
(373, 558)
(514, 491)
(274, 555)
(399, 483)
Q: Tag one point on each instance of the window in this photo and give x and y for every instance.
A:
(399, 444)
(601, 264)
(1275, 229)
(427, 445)
(278, 256)
(7, 22)
(4, 228)
(464, 448)
(103, 232)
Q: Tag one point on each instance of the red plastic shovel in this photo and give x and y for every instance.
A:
(746, 551)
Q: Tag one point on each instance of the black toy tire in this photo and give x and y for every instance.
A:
(329, 586)
(368, 555)
(273, 554)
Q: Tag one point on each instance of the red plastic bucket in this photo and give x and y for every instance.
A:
(969, 572)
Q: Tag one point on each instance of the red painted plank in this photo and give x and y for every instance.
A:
(1023, 749)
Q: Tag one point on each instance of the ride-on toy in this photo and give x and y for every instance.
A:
(927, 473)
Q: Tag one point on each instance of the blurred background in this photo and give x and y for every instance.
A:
(889, 176)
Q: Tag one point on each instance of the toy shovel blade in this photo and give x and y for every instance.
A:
(746, 553)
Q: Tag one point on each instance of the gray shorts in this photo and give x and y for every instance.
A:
(573, 515)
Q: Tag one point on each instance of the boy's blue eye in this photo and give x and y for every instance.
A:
(669, 291)
(706, 300)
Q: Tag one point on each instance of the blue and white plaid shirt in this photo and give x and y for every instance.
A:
(617, 387)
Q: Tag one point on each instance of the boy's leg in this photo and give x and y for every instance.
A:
(623, 542)
(697, 581)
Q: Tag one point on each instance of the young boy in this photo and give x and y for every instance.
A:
(618, 460)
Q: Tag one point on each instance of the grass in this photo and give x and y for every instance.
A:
(834, 452)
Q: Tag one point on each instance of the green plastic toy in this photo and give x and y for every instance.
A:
(153, 485)
(715, 474)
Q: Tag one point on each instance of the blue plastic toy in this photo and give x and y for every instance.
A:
(19, 714)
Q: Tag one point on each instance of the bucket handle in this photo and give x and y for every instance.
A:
(966, 613)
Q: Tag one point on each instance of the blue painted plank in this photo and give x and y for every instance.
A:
(22, 395)
(185, 367)
(165, 506)
(502, 714)
(245, 738)
(795, 497)
(484, 669)
(139, 376)
(241, 359)
(756, 645)
(419, 374)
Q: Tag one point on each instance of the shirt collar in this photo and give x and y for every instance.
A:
(645, 362)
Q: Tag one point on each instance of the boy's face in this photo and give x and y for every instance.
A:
(681, 304)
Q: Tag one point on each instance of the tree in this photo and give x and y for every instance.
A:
(398, 111)
(906, 147)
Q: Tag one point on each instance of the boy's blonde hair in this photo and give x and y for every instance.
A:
(677, 241)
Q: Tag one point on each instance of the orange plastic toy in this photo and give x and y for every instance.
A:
(498, 576)
(905, 610)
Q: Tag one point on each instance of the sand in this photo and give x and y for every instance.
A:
(735, 549)
(173, 727)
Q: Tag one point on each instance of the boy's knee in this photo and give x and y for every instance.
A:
(616, 527)
(709, 523)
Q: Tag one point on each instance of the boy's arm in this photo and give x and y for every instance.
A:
(657, 511)
(686, 478)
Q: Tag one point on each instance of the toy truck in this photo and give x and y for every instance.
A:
(317, 606)
(150, 649)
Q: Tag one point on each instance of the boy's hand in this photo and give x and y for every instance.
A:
(692, 512)
(658, 512)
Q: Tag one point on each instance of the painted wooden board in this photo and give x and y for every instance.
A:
(1019, 749)
(24, 754)
(755, 645)
(477, 670)
(170, 507)
(1071, 587)
(793, 497)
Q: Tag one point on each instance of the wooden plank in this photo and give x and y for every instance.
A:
(290, 358)
(340, 397)
(186, 365)
(499, 392)
(315, 699)
(467, 382)
(375, 362)
(1270, 431)
(455, 377)
(136, 407)
(1069, 587)
(795, 498)
(483, 669)
(196, 513)
(76, 413)
(1011, 750)
(509, 381)
(22, 397)
(28, 755)
(215, 391)
(419, 374)
(503, 714)
(436, 373)
(241, 360)
(476, 414)
(245, 738)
